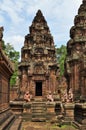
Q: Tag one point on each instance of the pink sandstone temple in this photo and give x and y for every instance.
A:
(39, 97)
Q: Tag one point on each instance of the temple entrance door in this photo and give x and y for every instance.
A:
(38, 91)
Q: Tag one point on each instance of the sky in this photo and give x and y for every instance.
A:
(17, 15)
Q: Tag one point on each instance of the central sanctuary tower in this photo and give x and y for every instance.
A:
(38, 66)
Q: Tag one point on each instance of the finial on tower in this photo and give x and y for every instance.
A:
(39, 17)
(39, 13)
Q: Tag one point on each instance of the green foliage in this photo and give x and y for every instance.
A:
(3, 45)
(14, 57)
(61, 55)
(68, 127)
(13, 79)
(11, 52)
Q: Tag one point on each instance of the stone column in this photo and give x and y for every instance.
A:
(50, 114)
(76, 83)
(69, 112)
(83, 88)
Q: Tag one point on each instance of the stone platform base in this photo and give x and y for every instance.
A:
(8, 121)
(68, 113)
(80, 115)
(79, 126)
(37, 110)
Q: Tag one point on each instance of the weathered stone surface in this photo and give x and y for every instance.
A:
(38, 74)
(38, 66)
(17, 106)
(6, 70)
(75, 64)
(80, 113)
(69, 112)
(13, 93)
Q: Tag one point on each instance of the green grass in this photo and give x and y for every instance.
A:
(67, 126)
(53, 126)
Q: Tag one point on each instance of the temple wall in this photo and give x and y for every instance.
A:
(4, 92)
(13, 93)
(6, 71)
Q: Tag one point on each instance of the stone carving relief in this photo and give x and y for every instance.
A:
(17, 81)
(39, 51)
(78, 47)
(38, 26)
(68, 96)
(38, 38)
(24, 81)
(52, 81)
(30, 71)
(38, 55)
(39, 69)
(26, 55)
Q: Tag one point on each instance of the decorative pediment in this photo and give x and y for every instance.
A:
(39, 51)
(39, 68)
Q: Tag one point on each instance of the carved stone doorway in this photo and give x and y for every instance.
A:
(38, 90)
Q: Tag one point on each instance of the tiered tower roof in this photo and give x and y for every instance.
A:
(76, 53)
(38, 58)
(39, 40)
(78, 31)
(39, 31)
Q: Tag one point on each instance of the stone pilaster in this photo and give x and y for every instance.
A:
(69, 113)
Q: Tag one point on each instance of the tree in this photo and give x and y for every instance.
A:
(61, 55)
(13, 55)
(3, 45)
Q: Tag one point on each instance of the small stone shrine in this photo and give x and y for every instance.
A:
(75, 65)
(76, 55)
(39, 94)
(37, 77)
(38, 66)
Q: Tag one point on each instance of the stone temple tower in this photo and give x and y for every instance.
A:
(76, 55)
(38, 66)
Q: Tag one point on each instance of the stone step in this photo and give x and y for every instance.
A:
(38, 105)
(38, 108)
(7, 122)
(38, 111)
(41, 119)
(4, 116)
(39, 99)
(27, 117)
(16, 124)
(39, 114)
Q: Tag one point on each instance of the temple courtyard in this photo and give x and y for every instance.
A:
(45, 126)
(39, 100)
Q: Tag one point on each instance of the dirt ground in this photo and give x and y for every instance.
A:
(43, 126)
